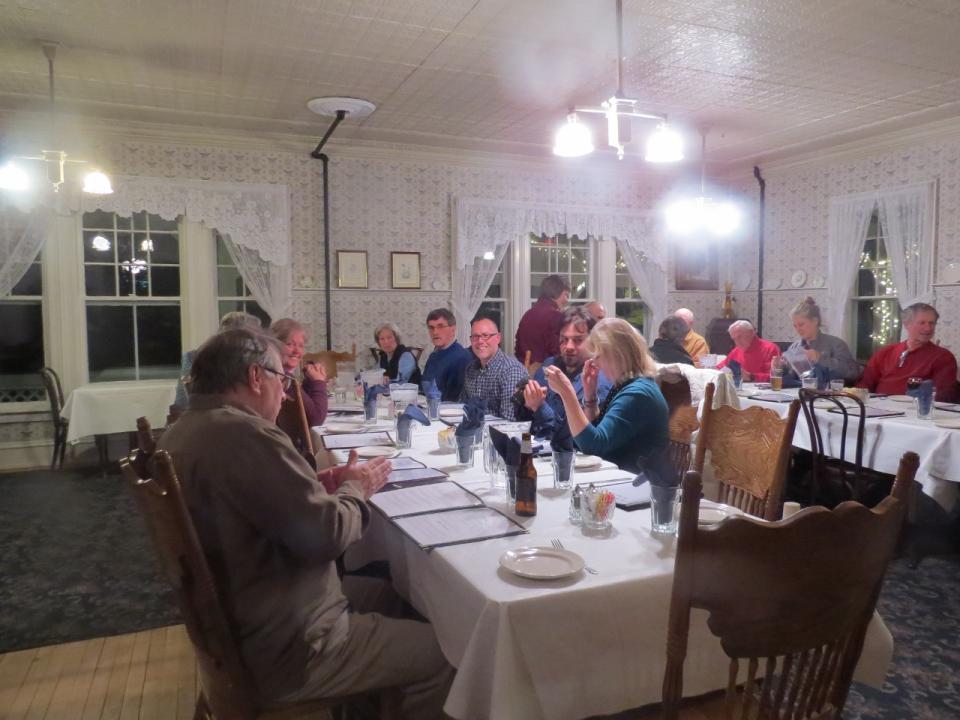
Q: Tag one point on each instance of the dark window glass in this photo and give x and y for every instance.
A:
(21, 342)
(633, 313)
(158, 223)
(110, 348)
(31, 283)
(140, 221)
(223, 257)
(165, 251)
(166, 281)
(100, 280)
(229, 282)
(124, 247)
(158, 337)
(494, 310)
(125, 280)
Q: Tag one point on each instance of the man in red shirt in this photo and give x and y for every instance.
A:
(752, 352)
(539, 328)
(917, 356)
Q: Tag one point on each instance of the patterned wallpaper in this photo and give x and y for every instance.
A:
(796, 221)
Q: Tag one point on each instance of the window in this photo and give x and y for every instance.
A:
(876, 312)
(630, 305)
(21, 340)
(568, 257)
(496, 302)
(232, 292)
(132, 278)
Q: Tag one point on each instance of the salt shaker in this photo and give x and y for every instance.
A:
(575, 504)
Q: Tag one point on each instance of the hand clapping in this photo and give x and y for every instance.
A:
(533, 395)
(371, 475)
(315, 372)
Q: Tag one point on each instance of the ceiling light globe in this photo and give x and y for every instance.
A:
(97, 183)
(664, 146)
(100, 243)
(573, 139)
(13, 178)
(723, 219)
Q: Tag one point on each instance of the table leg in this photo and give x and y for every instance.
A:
(103, 452)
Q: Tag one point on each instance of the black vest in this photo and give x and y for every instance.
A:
(392, 367)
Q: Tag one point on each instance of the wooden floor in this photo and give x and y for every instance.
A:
(145, 675)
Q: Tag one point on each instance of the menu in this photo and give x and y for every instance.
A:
(416, 499)
(355, 440)
(412, 474)
(452, 527)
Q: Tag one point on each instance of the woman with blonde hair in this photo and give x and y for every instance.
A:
(313, 386)
(819, 348)
(630, 428)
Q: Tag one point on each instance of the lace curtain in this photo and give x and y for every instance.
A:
(649, 276)
(21, 237)
(846, 231)
(271, 285)
(470, 285)
(906, 218)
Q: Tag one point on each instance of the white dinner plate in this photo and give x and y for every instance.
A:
(541, 563)
(899, 398)
(586, 462)
(713, 515)
(343, 427)
(948, 423)
(375, 451)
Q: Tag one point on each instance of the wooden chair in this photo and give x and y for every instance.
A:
(330, 358)
(793, 599)
(51, 383)
(683, 421)
(292, 419)
(749, 453)
(835, 477)
(225, 684)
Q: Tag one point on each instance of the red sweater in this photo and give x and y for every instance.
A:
(755, 359)
(539, 331)
(929, 361)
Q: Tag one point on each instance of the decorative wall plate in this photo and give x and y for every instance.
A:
(798, 279)
(950, 273)
(818, 282)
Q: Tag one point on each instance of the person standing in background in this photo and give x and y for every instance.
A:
(539, 328)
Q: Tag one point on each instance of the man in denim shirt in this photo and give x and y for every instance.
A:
(540, 404)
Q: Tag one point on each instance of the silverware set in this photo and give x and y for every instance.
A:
(557, 545)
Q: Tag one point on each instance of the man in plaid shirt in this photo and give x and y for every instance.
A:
(492, 375)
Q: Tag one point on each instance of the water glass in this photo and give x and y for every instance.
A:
(465, 448)
(664, 509)
(836, 385)
(433, 408)
(809, 382)
(404, 434)
(924, 406)
(562, 462)
(370, 412)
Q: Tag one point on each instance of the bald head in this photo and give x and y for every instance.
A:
(596, 309)
(686, 315)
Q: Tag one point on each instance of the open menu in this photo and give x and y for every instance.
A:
(430, 498)
(402, 462)
(452, 527)
(355, 440)
(777, 397)
(416, 475)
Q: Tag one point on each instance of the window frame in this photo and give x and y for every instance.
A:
(856, 300)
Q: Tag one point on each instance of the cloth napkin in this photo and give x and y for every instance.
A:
(473, 411)
(430, 390)
(736, 370)
(370, 392)
(924, 393)
(409, 415)
(562, 440)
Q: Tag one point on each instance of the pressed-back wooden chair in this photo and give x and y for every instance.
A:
(225, 683)
(749, 454)
(51, 383)
(683, 420)
(792, 599)
(292, 419)
(330, 358)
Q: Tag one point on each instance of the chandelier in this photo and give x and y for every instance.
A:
(14, 178)
(574, 139)
(702, 214)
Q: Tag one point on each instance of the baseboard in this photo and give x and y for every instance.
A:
(36, 454)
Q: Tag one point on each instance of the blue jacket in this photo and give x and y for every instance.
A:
(445, 367)
(551, 414)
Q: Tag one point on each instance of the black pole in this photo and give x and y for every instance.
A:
(326, 247)
(341, 114)
(763, 199)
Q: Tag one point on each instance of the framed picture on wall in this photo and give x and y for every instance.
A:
(405, 270)
(352, 268)
(696, 268)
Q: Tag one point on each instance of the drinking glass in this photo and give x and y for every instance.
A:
(836, 385)
(433, 408)
(562, 462)
(809, 382)
(776, 374)
(664, 509)
(924, 406)
(465, 448)
(404, 434)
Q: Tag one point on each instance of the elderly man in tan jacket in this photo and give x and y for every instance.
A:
(693, 343)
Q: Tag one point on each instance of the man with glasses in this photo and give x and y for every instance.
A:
(916, 357)
(541, 404)
(492, 374)
(449, 358)
(272, 529)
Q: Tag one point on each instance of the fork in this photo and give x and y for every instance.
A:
(559, 546)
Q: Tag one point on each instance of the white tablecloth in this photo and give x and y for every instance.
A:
(561, 649)
(113, 407)
(887, 439)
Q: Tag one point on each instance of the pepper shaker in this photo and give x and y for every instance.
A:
(575, 497)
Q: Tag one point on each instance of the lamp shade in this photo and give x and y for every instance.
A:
(664, 145)
(573, 139)
(97, 183)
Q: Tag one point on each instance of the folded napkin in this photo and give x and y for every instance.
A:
(370, 392)
(430, 390)
(924, 395)
(562, 440)
(412, 413)
(473, 411)
(736, 370)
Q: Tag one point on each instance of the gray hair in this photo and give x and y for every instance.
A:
(283, 328)
(807, 308)
(685, 314)
(741, 325)
(673, 328)
(221, 363)
(911, 311)
(238, 319)
(386, 326)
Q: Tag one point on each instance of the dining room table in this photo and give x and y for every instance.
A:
(587, 643)
(936, 439)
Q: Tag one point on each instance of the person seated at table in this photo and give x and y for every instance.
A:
(629, 428)
(751, 351)
(694, 343)
(916, 357)
(492, 374)
(668, 348)
(596, 309)
(272, 529)
(234, 319)
(398, 363)
(313, 386)
(540, 325)
(449, 358)
(819, 348)
(542, 405)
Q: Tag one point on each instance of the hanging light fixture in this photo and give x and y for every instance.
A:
(574, 139)
(702, 214)
(15, 179)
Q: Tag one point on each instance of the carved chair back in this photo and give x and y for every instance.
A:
(330, 358)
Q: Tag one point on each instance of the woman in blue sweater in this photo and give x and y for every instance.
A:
(630, 428)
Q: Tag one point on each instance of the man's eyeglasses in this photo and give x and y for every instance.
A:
(437, 327)
(286, 380)
(485, 337)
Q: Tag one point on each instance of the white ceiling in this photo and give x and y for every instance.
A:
(769, 77)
